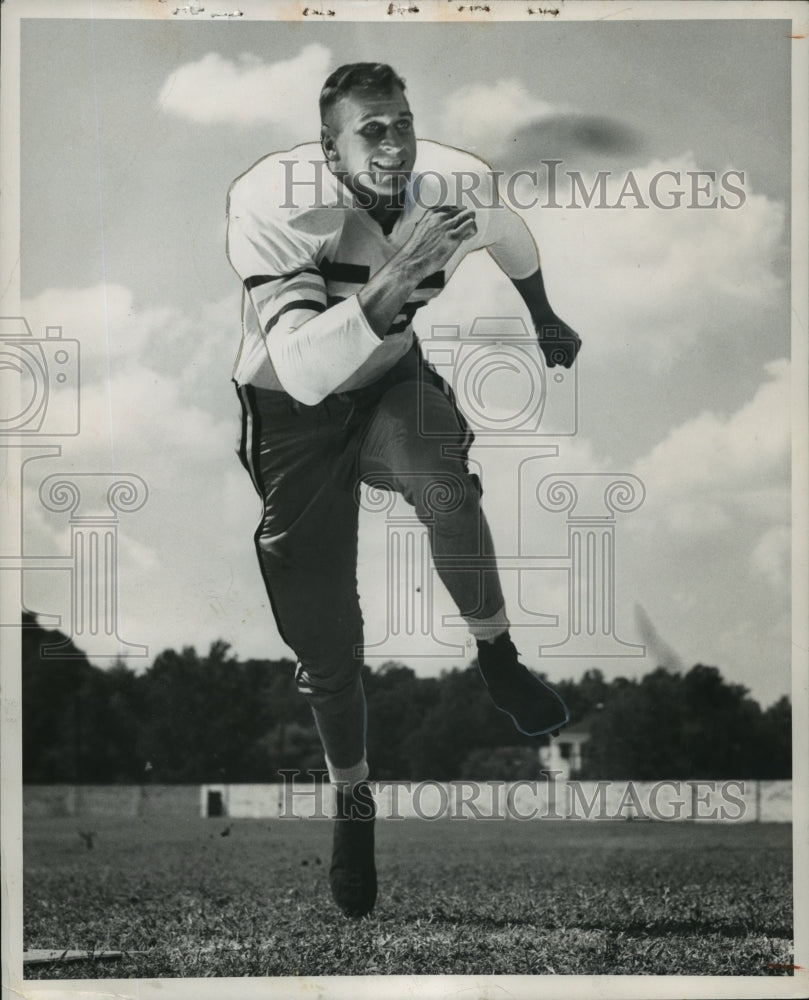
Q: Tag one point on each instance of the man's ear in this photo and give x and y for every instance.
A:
(327, 143)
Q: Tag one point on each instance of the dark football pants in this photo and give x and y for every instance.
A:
(404, 433)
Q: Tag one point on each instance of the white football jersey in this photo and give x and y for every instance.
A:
(303, 250)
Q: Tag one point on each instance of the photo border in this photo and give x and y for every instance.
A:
(13, 11)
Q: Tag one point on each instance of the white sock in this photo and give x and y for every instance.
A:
(488, 629)
(345, 778)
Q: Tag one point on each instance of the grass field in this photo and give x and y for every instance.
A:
(487, 898)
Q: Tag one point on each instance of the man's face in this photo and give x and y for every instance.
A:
(371, 144)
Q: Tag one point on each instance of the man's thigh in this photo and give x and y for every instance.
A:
(415, 430)
(307, 537)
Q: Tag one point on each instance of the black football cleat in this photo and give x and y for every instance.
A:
(533, 706)
(352, 875)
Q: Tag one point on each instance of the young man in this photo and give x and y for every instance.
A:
(338, 245)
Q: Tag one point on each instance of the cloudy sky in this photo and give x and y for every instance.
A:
(131, 134)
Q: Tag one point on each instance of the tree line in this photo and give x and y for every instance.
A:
(192, 718)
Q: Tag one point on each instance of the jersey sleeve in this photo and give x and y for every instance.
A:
(457, 177)
(313, 347)
(511, 244)
(500, 229)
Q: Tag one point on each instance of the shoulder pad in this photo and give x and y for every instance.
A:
(292, 188)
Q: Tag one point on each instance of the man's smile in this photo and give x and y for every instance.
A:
(387, 165)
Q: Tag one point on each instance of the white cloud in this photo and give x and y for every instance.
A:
(708, 552)
(115, 332)
(718, 479)
(104, 321)
(743, 449)
(660, 282)
(149, 408)
(215, 90)
(480, 113)
(771, 556)
(650, 286)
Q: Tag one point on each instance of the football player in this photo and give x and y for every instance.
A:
(338, 244)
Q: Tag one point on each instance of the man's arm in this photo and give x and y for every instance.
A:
(558, 342)
(434, 240)
(314, 346)
(516, 254)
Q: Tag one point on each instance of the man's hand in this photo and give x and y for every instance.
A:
(436, 237)
(558, 342)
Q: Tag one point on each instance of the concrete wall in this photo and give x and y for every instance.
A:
(169, 800)
(702, 801)
(126, 801)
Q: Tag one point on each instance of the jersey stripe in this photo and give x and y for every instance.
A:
(407, 313)
(434, 280)
(350, 274)
(309, 304)
(262, 279)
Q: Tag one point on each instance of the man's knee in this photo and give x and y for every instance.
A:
(446, 494)
(330, 689)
